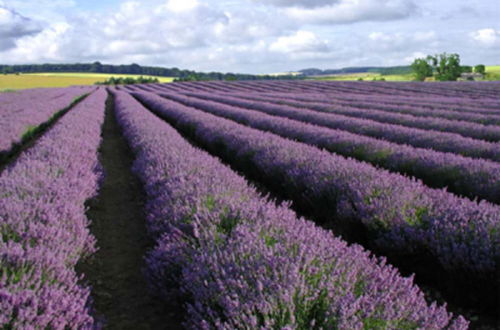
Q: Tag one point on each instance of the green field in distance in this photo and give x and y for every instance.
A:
(38, 80)
(492, 74)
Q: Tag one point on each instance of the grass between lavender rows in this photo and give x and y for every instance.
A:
(11, 82)
(119, 290)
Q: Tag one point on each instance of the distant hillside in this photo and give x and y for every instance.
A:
(392, 70)
(134, 69)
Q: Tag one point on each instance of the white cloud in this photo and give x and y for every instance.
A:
(401, 48)
(350, 11)
(300, 42)
(14, 25)
(178, 6)
(487, 37)
(299, 3)
(47, 44)
(247, 35)
(413, 56)
(403, 41)
(171, 33)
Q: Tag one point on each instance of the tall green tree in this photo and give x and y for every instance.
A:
(421, 69)
(95, 67)
(480, 68)
(466, 68)
(446, 67)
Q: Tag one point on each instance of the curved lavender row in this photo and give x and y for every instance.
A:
(439, 141)
(241, 261)
(403, 214)
(382, 107)
(466, 176)
(43, 227)
(22, 111)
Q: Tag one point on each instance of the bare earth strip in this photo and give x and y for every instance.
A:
(120, 293)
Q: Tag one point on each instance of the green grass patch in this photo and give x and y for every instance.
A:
(492, 74)
(365, 76)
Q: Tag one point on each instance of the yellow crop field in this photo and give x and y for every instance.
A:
(38, 80)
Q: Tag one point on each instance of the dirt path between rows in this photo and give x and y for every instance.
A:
(119, 290)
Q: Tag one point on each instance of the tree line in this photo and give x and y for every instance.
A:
(128, 81)
(136, 69)
(443, 67)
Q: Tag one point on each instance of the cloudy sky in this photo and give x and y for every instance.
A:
(253, 36)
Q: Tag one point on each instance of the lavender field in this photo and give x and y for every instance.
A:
(251, 205)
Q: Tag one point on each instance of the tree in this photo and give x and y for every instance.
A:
(466, 69)
(421, 68)
(446, 66)
(96, 67)
(480, 68)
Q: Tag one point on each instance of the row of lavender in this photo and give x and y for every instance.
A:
(462, 175)
(240, 261)
(311, 102)
(477, 97)
(419, 107)
(472, 93)
(403, 216)
(416, 106)
(43, 227)
(439, 141)
(474, 178)
(21, 112)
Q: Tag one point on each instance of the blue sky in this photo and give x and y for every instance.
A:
(254, 36)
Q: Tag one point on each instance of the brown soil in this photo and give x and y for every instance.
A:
(119, 290)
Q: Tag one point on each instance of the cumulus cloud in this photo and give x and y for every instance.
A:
(398, 48)
(299, 42)
(254, 36)
(299, 3)
(403, 41)
(487, 37)
(178, 6)
(350, 11)
(14, 26)
(414, 56)
(170, 33)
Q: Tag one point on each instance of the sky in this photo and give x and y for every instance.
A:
(248, 36)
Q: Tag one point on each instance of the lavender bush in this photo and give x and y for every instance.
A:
(433, 108)
(240, 261)
(21, 112)
(43, 228)
(440, 141)
(467, 176)
(402, 214)
(474, 130)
